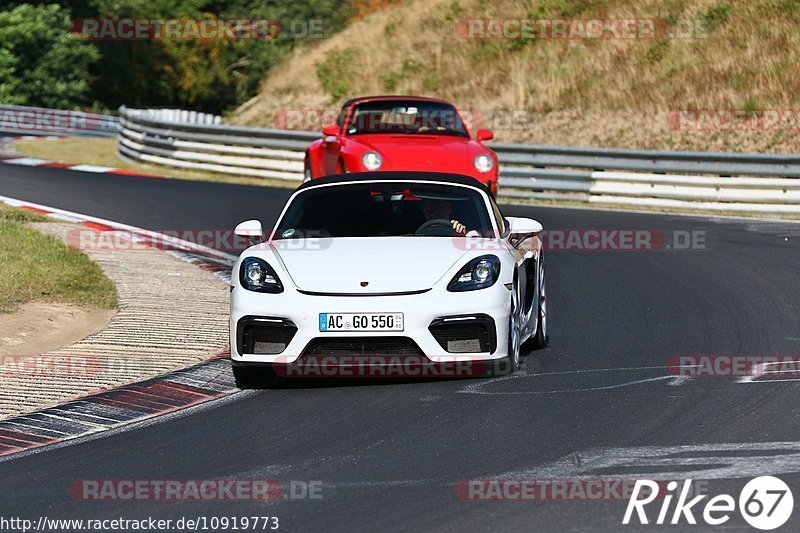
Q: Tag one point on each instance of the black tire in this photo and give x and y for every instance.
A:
(307, 170)
(252, 375)
(542, 338)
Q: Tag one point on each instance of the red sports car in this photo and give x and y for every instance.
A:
(401, 133)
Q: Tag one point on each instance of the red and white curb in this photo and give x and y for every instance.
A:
(138, 401)
(37, 137)
(118, 407)
(37, 162)
(220, 263)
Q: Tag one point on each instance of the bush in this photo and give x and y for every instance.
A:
(40, 63)
(334, 71)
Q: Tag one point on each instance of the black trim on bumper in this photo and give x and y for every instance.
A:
(456, 328)
(278, 331)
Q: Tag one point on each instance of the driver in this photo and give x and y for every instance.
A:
(442, 209)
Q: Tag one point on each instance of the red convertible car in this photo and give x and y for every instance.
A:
(401, 133)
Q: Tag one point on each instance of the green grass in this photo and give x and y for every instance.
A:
(35, 267)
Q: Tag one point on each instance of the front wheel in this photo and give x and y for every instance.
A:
(306, 171)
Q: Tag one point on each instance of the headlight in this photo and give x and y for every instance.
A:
(372, 160)
(256, 275)
(483, 163)
(480, 273)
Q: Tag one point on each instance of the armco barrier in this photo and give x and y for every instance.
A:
(768, 183)
(24, 120)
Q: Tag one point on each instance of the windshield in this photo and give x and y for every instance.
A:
(386, 210)
(403, 116)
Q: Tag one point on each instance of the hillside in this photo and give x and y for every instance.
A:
(738, 57)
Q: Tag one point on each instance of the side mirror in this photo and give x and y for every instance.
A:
(484, 135)
(251, 230)
(330, 131)
(520, 228)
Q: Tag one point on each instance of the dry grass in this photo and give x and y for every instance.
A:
(583, 92)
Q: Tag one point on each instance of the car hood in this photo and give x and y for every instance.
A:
(386, 264)
(420, 152)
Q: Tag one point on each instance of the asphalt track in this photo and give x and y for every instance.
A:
(389, 455)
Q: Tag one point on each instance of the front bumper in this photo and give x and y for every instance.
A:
(293, 309)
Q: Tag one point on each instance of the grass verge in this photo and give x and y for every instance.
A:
(103, 153)
(38, 267)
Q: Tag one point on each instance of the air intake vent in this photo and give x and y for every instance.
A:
(465, 334)
(264, 335)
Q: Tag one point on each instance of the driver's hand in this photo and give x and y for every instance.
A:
(459, 228)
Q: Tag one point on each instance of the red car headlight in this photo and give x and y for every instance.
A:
(483, 163)
(372, 160)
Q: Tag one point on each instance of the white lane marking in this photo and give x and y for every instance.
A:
(26, 161)
(679, 381)
(590, 370)
(700, 461)
(91, 168)
(477, 388)
(474, 388)
(770, 380)
(760, 369)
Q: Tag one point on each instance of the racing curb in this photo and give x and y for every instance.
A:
(118, 407)
(96, 412)
(219, 263)
(37, 162)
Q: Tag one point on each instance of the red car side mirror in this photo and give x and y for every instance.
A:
(485, 135)
(331, 131)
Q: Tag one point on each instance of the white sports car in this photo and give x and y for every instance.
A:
(384, 268)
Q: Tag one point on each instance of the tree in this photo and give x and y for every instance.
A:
(41, 64)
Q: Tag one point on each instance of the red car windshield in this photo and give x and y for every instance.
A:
(406, 117)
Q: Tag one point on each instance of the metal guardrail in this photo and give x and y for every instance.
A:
(40, 121)
(686, 180)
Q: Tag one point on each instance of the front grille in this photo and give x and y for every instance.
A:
(264, 335)
(465, 334)
(363, 346)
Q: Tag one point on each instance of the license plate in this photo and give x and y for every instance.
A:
(361, 321)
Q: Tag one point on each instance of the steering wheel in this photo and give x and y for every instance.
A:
(436, 225)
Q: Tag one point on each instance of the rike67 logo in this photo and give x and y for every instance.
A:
(765, 503)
